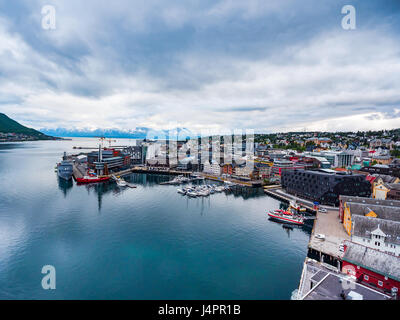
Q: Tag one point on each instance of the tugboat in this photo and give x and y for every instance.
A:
(286, 217)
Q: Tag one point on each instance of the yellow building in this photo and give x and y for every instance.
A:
(380, 191)
(368, 207)
(380, 186)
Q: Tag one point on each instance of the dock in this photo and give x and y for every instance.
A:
(78, 171)
(250, 183)
(327, 251)
(137, 169)
(278, 193)
(328, 224)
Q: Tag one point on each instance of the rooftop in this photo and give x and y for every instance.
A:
(363, 226)
(328, 285)
(383, 212)
(374, 260)
(387, 203)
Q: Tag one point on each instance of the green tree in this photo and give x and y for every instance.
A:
(395, 153)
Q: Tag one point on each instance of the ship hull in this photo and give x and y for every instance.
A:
(65, 170)
(91, 180)
(285, 219)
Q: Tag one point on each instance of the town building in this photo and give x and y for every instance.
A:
(227, 169)
(376, 233)
(383, 191)
(105, 161)
(369, 207)
(212, 168)
(282, 165)
(243, 171)
(324, 185)
(372, 267)
(337, 159)
(383, 169)
(382, 159)
(321, 283)
(377, 143)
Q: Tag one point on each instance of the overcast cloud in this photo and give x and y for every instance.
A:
(264, 65)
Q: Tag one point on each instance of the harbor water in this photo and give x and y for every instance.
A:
(107, 242)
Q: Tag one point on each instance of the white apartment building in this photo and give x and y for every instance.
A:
(212, 168)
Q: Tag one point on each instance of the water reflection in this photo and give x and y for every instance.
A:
(101, 189)
(4, 146)
(64, 185)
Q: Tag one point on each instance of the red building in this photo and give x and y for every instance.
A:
(227, 169)
(373, 268)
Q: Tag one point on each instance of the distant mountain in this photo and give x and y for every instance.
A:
(137, 133)
(8, 125)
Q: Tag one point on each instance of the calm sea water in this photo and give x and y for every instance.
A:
(144, 243)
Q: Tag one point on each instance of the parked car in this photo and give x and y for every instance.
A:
(320, 236)
(323, 210)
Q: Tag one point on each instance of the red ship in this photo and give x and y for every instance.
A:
(286, 217)
(91, 178)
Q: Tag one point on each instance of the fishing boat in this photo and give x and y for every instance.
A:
(286, 217)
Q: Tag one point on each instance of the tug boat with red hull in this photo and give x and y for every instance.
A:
(286, 217)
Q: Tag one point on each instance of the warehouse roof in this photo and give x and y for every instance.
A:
(374, 260)
(363, 226)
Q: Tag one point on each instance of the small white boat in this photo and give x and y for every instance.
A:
(121, 183)
(204, 193)
(181, 191)
(191, 194)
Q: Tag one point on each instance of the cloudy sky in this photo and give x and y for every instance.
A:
(274, 65)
